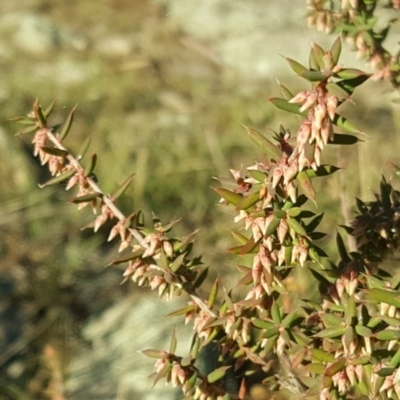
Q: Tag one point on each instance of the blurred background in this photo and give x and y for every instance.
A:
(163, 88)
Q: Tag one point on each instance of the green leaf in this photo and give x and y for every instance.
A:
(85, 198)
(249, 247)
(49, 108)
(395, 360)
(315, 76)
(314, 223)
(153, 353)
(275, 313)
(181, 311)
(343, 139)
(241, 239)
(344, 124)
(285, 92)
(336, 367)
(294, 212)
(40, 116)
(322, 355)
(388, 334)
(316, 57)
(306, 186)
(338, 91)
(177, 263)
(296, 226)
(230, 197)
(84, 148)
(351, 73)
(90, 168)
(284, 105)
(273, 225)
(173, 343)
(54, 151)
(248, 201)
(261, 324)
(58, 179)
(217, 374)
(27, 130)
(271, 332)
(213, 293)
(296, 67)
(336, 49)
(129, 257)
(383, 296)
(266, 145)
(122, 189)
(363, 331)
(331, 332)
(67, 124)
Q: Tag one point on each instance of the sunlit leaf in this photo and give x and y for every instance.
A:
(264, 144)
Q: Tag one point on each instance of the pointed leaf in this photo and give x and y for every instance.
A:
(384, 296)
(296, 67)
(153, 353)
(217, 374)
(241, 239)
(49, 108)
(41, 119)
(201, 278)
(285, 92)
(54, 151)
(59, 178)
(90, 168)
(306, 186)
(344, 124)
(336, 367)
(173, 343)
(331, 332)
(176, 264)
(213, 293)
(322, 170)
(284, 105)
(336, 49)
(67, 124)
(230, 197)
(316, 57)
(350, 73)
(84, 148)
(266, 145)
(342, 248)
(122, 189)
(248, 201)
(315, 76)
(85, 198)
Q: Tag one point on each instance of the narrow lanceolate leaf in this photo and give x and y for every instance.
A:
(336, 367)
(54, 151)
(213, 293)
(230, 197)
(331, 332)
(131, 256)
(90, 168)
(122, 189)
(58, 179)
(173, 343)
(241, 239)
(395, 360)
(264, 144)
(84, 148)
(217, 374)
(28, 129)
(296, 226)
(350, 73)
(316, 57)
(261, 324)
(67, 124)
(176, 264)
(275, 313)
(344, 124)
(248, 201)
(338, 91)
(306, 186)
(285, 92)
(297, 67)
(41, 119)
(249, 247)
(315, 76)
(153, 353)
(284, 105)
(363, 331)
(343, 139)
(388, 334)
(85, 198)
(336, 49)
(322, 355)
(49, 108)
(383, 296)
